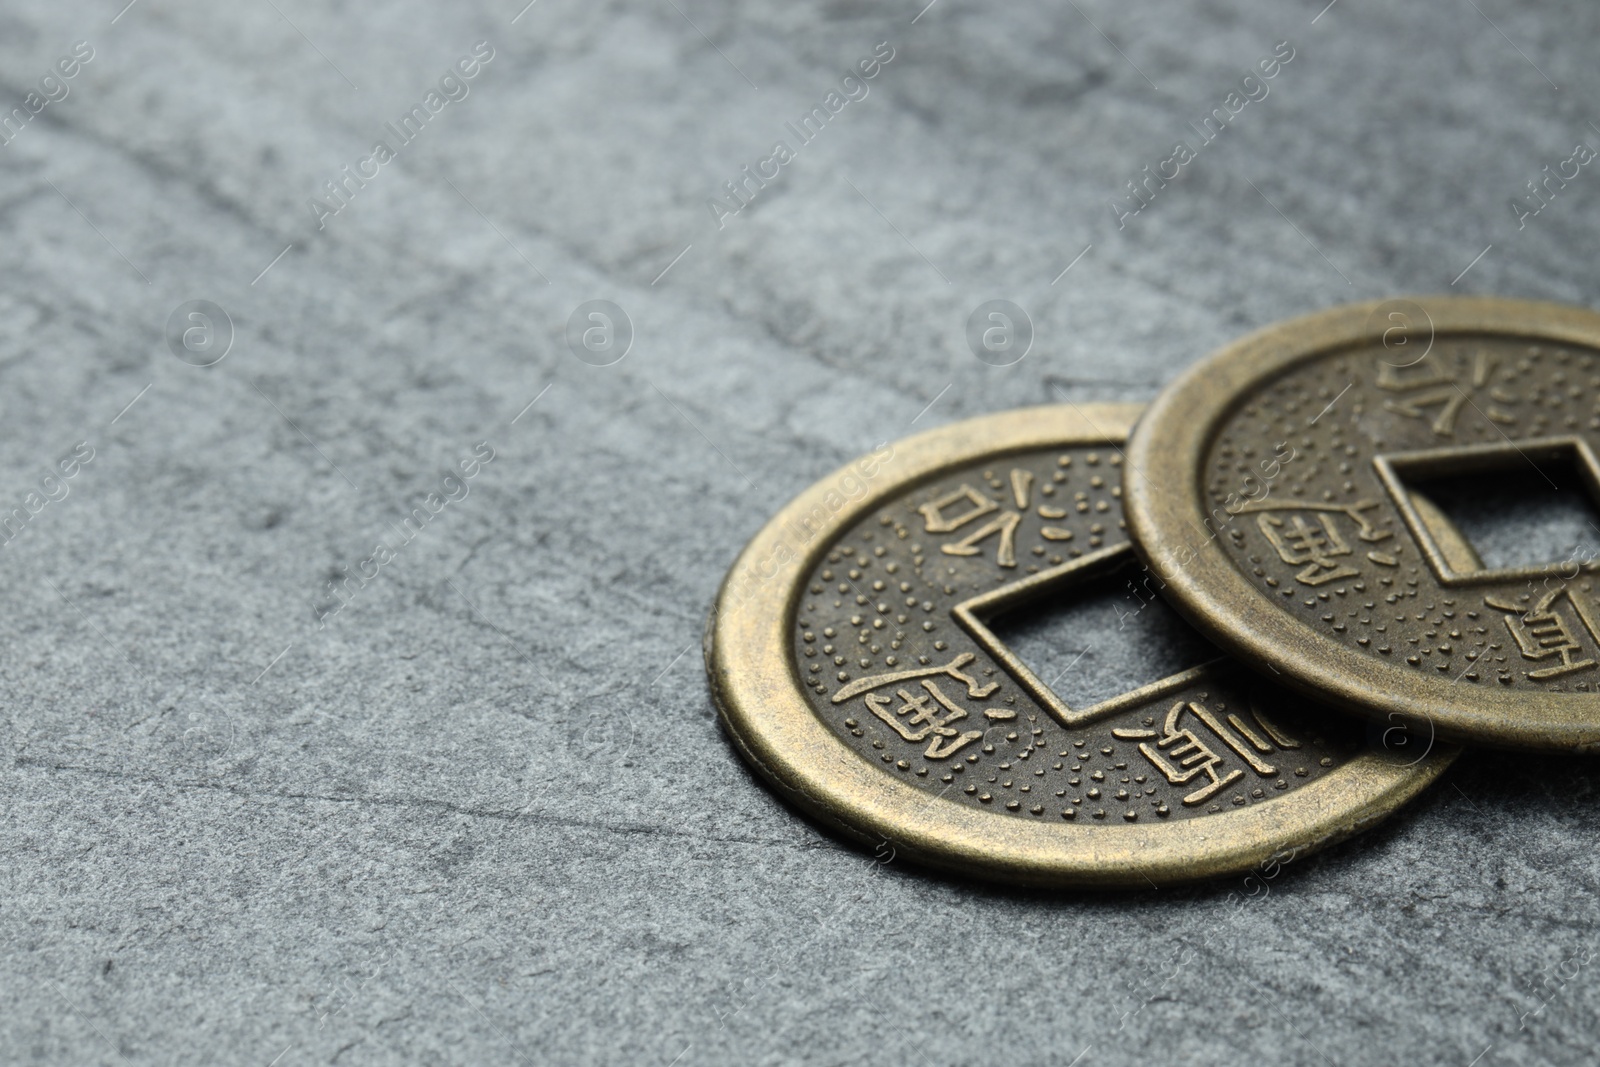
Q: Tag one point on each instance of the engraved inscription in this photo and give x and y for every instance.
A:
(1182, 756)
(934, 519)
(862, 685)
(1331, 546)
(890, 669)
(1005, 525)
(1308, 536)
(1430, 385)
(919, 720)
(1550, 628)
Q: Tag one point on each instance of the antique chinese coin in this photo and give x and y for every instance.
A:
(1328, 499)
(855, 658)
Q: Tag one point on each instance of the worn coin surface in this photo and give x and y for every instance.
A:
(853, 661)
(1286, 491)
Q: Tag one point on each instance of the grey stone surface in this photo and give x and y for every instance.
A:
(484, 814)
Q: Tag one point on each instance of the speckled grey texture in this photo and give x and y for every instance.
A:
(484, 813)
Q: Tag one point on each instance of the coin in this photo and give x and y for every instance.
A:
(1283, 492)
(854, 662)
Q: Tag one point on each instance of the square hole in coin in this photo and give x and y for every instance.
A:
(1511, 508)
(1107, 636)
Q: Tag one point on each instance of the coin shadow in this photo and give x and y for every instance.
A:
(1490, 795)
(1491, 791)
(1538, 782)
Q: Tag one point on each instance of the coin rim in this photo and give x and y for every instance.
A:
(1164, 498)
(754, 684)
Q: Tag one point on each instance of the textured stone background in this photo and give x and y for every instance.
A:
(485, 814)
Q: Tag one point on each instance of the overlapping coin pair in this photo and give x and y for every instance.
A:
(1279, 495)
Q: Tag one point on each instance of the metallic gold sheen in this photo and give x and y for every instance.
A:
(1273, 490)
(893, 565)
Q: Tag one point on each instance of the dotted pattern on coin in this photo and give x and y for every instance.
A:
(885, 665)
(1316, 528)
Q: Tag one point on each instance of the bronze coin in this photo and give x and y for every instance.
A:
(1282, 494)
(853, 663)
